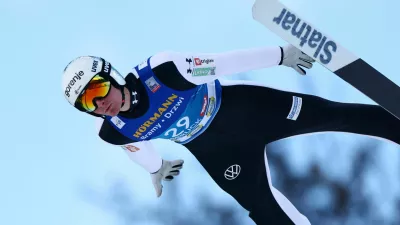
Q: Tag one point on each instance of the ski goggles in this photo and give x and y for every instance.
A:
(97, 88)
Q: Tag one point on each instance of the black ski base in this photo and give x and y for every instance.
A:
(373, 84)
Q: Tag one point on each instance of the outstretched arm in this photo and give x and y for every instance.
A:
(200, 68)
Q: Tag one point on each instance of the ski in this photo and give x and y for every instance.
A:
(287, 24)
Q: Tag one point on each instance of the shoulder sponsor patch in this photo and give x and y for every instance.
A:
(296, 108)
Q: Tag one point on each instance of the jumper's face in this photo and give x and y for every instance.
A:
(100, 97)
(110, 105)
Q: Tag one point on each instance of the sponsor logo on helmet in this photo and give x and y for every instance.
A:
(77, 76)
(78, 90)
(94, 66)
(106, 67)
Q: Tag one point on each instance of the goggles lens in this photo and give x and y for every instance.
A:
(98, 87)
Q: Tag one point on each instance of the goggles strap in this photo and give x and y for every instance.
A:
(123, 96)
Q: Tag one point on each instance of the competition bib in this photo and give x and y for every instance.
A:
(179, 116)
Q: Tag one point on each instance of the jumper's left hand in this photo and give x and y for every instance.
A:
(167, 172)
(294, 58)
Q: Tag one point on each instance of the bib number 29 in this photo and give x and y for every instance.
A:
(183, 122)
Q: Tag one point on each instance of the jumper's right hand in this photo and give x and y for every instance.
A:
(294, 58)
(168, 170)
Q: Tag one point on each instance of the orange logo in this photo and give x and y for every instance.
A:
(131, 148)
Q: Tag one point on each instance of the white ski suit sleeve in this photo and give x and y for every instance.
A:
(144, 154)
(223, 64)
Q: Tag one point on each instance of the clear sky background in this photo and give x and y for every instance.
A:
(49, 149)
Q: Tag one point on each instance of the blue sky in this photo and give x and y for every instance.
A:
(49, 149)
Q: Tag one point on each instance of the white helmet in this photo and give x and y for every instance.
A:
(78, 73)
